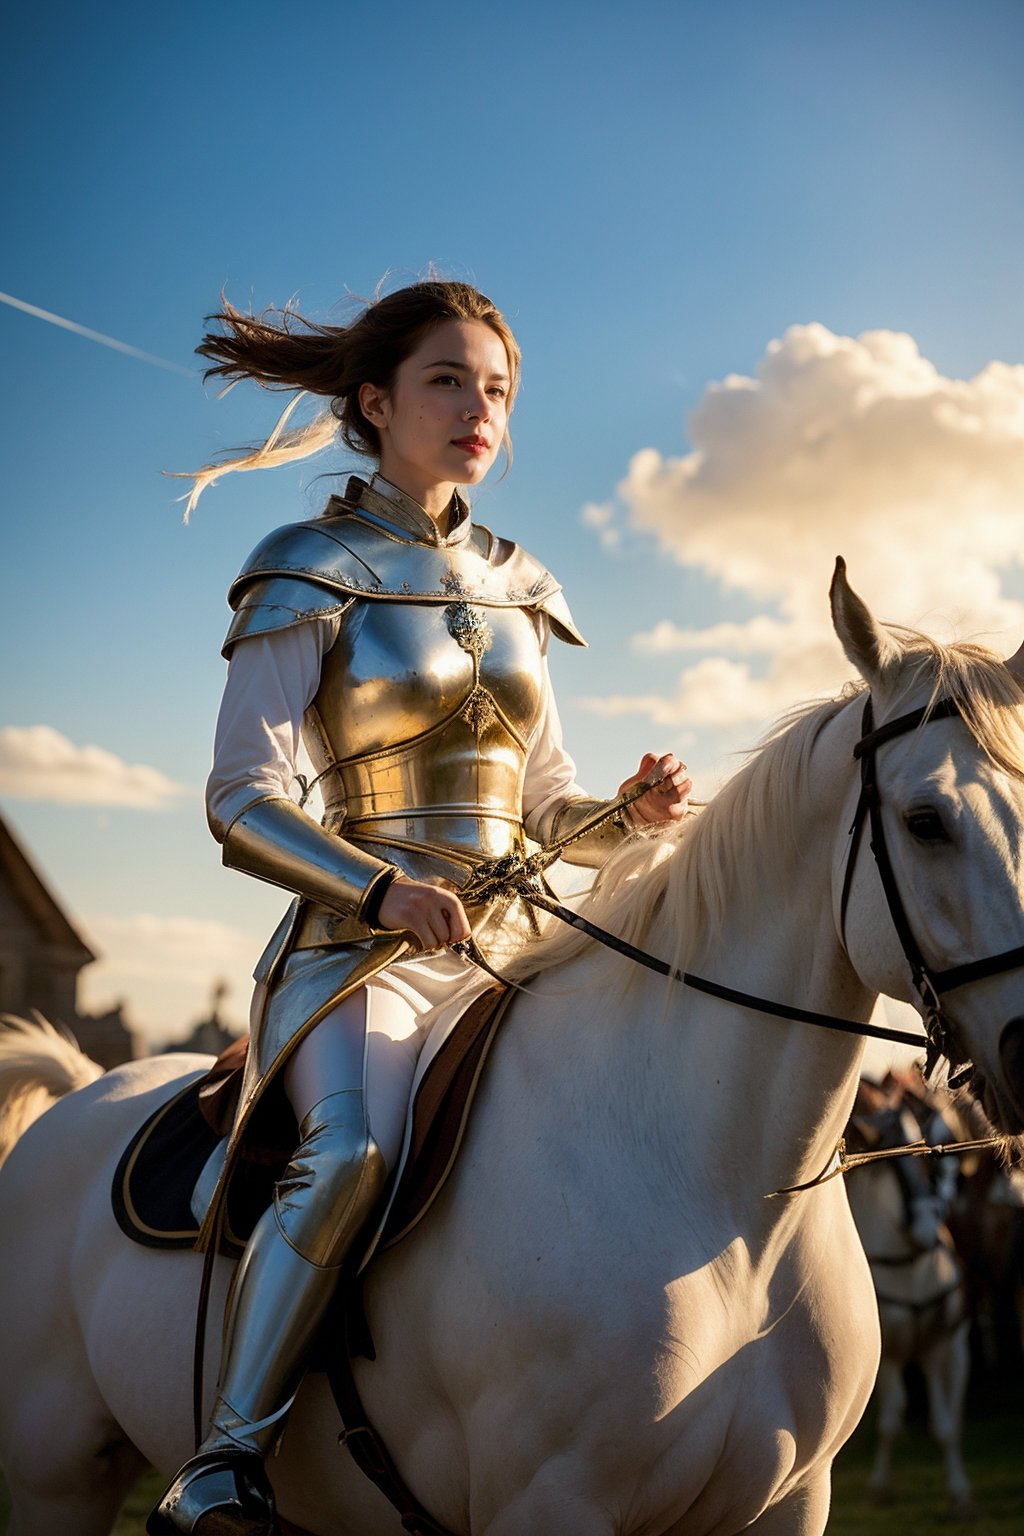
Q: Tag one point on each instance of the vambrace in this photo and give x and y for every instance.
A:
(593, 847)
(277, 842)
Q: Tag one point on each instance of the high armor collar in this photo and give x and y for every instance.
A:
(385, 506)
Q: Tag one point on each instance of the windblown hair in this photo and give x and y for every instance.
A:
(282, 350)
(690, 870)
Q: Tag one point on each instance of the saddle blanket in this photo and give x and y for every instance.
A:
(156, 1178)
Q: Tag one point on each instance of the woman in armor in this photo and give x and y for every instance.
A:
(406, 647)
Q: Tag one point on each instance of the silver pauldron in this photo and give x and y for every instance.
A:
(355, 551)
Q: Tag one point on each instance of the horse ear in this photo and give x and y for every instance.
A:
(870, 647)
(1016, 664)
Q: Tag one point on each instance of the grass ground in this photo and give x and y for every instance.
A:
(992, 1451)
(992, 1454)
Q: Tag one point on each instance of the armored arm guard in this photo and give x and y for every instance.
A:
(277, 842)
(593, 847)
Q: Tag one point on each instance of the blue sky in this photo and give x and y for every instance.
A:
(654, 195)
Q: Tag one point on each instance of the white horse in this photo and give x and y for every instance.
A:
(922, 1302)
(604, 1328)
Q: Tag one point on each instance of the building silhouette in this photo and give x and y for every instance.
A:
(41, 955)
(211, 1035)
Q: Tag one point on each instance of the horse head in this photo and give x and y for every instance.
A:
(937, 917)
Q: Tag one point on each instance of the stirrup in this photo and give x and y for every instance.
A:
(217, 1493)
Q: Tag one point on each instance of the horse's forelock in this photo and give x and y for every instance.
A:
(989, 696)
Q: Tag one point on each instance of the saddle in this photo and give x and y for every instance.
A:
(158, 1172)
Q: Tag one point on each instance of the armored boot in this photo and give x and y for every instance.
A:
(284, 1285)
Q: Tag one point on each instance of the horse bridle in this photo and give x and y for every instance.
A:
(524, 877)
(929, 984)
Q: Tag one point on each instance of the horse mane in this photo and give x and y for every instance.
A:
(687, 867)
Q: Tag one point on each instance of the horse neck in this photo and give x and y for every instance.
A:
(734, 1083)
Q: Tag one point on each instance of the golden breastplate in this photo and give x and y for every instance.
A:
(421, 723)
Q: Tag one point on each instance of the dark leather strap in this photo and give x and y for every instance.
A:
(974, 970)
(930, 984)
(872, 800)
(368, 1450)
(714, 988)
(871, 739)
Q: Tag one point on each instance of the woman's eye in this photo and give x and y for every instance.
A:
(926, 826)
(498, 391)
(446, 378)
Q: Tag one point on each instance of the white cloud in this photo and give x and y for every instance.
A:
(839, 445)
(721, 693)
(615, 705)
(600, 517)
(761, 635)
(151, 946)
(38, 763)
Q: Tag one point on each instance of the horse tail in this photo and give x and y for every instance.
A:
(39, 1064)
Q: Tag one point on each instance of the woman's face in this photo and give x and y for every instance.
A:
(444, 418)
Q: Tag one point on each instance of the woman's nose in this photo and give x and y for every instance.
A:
(478, 406)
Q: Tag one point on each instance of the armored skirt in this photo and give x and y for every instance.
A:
(412, 666)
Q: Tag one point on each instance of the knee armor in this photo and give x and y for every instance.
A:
(331, 1185)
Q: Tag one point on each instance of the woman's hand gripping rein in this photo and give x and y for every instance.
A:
(433, 913)
(667, 800)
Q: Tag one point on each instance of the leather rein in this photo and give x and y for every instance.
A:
(525, 878)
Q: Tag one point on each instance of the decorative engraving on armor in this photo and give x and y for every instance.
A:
(455, 585)
(469, 629)
(479, 711)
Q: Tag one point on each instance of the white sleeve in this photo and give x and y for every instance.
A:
(550, 778)
(271, 681)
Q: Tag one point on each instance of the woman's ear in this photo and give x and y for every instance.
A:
(374, 404)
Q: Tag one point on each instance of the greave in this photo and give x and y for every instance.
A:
(282, 1289)
(288, 1273)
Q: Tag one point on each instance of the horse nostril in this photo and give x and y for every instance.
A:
(1011, 1059)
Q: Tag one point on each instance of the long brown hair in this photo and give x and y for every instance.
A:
(282, 349)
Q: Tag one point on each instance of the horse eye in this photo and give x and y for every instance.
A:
(926, 826)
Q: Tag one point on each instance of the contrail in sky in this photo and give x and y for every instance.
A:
(106, 341)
